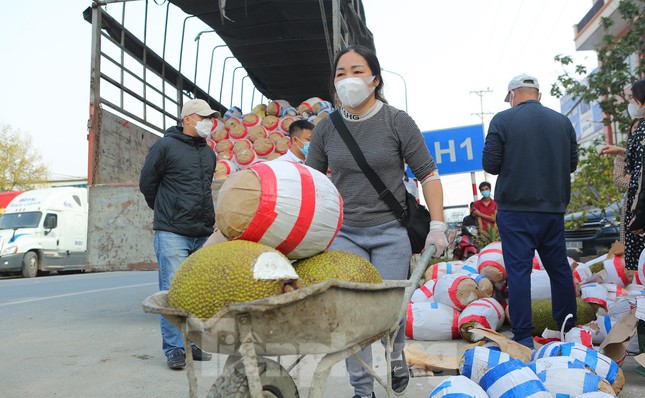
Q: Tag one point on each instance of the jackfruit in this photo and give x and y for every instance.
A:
(336, 264)
(542, 317)
(227, 272)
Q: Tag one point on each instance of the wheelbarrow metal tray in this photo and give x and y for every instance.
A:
(324, 318)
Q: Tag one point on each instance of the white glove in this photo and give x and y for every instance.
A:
(437, 237)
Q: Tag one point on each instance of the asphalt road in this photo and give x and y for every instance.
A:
(87, 335)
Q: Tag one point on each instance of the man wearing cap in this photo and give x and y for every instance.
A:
(533, 150)
(176, 182)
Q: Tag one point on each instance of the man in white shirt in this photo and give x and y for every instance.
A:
(300, 135)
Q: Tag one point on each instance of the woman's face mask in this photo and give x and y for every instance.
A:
(353, 91)
(635, 111)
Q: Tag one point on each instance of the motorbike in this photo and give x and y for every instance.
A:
(465, 243)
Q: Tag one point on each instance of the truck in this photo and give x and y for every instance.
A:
(44, 230)
(6, 198)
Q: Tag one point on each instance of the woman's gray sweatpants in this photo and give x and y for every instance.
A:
(387, 246)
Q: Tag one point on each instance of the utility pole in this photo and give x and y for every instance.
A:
(481, 115)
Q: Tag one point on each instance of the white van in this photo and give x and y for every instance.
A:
(44, 230)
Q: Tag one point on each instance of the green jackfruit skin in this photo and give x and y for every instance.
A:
(542, 317)
(220, 274)
(336, 264)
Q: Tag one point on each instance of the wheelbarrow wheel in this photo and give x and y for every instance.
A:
(232, 383)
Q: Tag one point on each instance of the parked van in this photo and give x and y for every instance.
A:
(44, 230)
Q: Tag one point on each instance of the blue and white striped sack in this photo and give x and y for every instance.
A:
(513, 379)
(602, 365)
(605, 323)
(478, 360)
(598, 394)
(542, 364)
(551, 349)
(569, 383)
(458, 387)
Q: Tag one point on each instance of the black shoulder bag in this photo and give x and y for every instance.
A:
(416, 218)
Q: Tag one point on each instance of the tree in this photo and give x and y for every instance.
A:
(608, 84)
(20, 164)
(592, 186)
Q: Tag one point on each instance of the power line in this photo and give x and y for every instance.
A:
(481, 113)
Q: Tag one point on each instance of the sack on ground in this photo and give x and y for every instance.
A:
(477, 361)
(455, 290)
(431, 322)
(458, 386)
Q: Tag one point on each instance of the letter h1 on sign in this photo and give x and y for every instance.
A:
(458, 149)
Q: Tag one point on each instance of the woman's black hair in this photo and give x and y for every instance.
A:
(372, 62)
(638, 91)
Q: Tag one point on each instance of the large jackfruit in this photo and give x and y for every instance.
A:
(337, 264)
(542, 317)
(234, 271)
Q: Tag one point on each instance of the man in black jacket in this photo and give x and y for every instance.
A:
(176, 182)
(534, 150)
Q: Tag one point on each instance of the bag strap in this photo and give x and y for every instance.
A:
(383, 193)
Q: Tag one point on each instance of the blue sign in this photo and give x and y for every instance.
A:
(456, 150)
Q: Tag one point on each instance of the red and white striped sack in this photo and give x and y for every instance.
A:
(431, 322)
(455, 290)
(615, 269)
(288, 206)
(436, 270)
(639, 276)
(491, 263)
(424, 293)
(485, 312)
(594, 293)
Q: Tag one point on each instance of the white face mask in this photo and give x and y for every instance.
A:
(353, 91)
(635, 111)
(204, 128)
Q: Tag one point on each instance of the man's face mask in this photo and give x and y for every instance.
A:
(204, 127)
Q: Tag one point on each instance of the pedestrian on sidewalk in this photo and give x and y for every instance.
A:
(533, 150)
(387, 137)
(176, 182)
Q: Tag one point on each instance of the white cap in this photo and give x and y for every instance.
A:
(522, 80)
(199, 107)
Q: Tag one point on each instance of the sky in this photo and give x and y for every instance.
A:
(445, 51)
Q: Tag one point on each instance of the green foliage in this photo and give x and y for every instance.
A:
(486, 237)
(608, 84)
(593, 185)
(20, 164)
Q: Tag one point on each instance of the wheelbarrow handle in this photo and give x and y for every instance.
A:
(419, 270)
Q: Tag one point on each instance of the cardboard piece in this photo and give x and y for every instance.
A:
(615, 345)
(416, 356)
(640, 358)
(515, 350)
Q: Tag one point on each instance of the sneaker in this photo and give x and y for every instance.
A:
(176, 359)
(199, 354)
(400, 375)
(358, 396)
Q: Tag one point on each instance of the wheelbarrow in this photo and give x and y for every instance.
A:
(333, 318)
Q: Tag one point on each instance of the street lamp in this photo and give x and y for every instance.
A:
(405, 86)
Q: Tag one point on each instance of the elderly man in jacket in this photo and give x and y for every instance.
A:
(176, 182)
